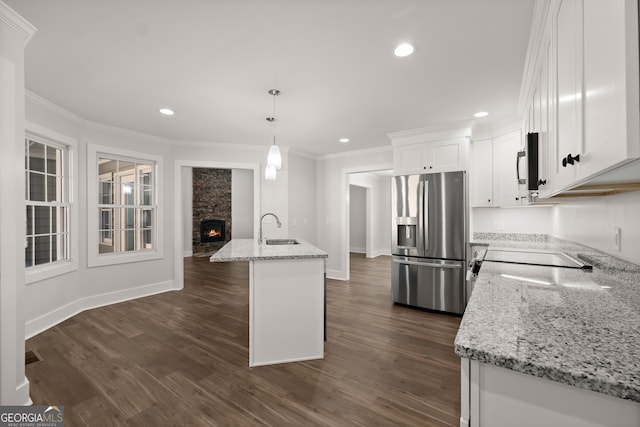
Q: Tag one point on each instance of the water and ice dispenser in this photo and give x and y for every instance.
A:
(406, 232)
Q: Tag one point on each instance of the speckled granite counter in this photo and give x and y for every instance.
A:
(250, 250)
(571, 326)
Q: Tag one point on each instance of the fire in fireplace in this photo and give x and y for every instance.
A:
(212, 230)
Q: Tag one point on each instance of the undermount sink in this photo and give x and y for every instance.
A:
(282, 242)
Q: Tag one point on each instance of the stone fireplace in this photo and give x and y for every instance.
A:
(211, 210)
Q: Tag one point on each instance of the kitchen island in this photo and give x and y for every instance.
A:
(552, 346)
(286, 299)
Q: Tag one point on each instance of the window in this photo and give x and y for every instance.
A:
(47, 202)
(126, 205)
(123, 206)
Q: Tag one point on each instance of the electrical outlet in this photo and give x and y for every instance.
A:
(616, 238)
(498, 225)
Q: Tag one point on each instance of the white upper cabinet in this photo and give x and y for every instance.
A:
(568, 95)
(611, 110)
(505, 180)
(481, 173)
(430, 150)
(581, 89)
(492, 176)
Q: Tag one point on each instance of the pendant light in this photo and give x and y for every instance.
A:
(270, 172)
(274, 158)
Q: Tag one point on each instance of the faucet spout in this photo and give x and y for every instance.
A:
(261, 218)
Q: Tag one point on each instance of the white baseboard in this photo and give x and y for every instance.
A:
(186, 254)
(358, 250)
(336, 275)
(22, 393)
(380, 252)
(52, 318)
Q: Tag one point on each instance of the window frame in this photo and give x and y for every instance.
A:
(69, 146)
(95, 208)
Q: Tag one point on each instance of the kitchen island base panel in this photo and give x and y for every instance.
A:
(497, 397)
(286, 310)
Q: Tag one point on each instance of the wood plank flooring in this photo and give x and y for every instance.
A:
(181, 359)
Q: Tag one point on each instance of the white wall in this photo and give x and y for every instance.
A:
(242, 204)
(357, 219)
(187, 211)
(302, 200)
(332, 190)
(529, 220)
(591, 221)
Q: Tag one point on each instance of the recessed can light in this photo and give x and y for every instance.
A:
(481, 114)
(404, 49)
(167, 111)
(344, 140)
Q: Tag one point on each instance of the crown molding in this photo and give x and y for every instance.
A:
(20, 25)
(304, 154)
(48, 105)
(432, 133)
(128, 132)
(230, 145)
(385, 148)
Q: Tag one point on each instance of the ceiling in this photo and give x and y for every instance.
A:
(117, 62)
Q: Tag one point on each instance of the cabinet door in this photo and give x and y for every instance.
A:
(569, 90)
(505, 182)
(605, 136)
(445, 156)
(481, 174)
(545, 137)
(409, 159)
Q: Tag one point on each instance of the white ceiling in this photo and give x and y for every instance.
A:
(213, 61)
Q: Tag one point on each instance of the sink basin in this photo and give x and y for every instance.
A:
(282, 242)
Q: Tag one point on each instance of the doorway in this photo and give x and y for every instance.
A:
(183, 221)
(368, 214)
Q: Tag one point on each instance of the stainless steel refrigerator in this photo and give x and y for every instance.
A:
(429, 240)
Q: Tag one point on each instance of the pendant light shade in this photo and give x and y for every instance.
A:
(274, 158)
(270, 172)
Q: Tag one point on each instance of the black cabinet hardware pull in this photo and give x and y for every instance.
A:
(570, 160)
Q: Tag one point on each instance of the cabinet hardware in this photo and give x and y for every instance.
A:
(570, 160)
(542, 182)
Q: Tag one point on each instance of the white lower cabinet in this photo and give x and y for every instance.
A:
(498, 397)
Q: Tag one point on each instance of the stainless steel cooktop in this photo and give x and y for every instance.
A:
(549, 259)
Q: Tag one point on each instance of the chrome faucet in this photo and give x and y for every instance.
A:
(261, 218)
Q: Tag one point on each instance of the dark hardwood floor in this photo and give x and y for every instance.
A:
(181, 359)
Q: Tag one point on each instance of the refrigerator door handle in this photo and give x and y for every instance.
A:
(420, 236)
(423, 213)
(428, 264)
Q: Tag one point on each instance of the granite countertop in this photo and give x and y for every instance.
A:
(250, 250)
(576, 327)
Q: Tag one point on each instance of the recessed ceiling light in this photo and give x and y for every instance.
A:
(344, 140)
(404, 49)
(481, 114)
(167, 111)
